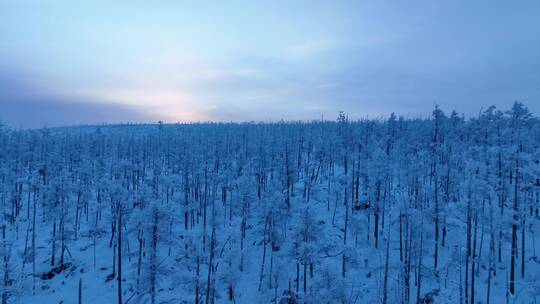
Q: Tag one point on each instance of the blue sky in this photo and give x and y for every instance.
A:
(72, 62)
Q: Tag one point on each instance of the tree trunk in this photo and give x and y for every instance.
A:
(385, 288)
(153, 263)
(514, 234)
(523, 248)
(198, 272)
(80, 292)
(119, 254)
(468, 253)
(436, 250)
(6, 257)
(473, 276)
(209, 287)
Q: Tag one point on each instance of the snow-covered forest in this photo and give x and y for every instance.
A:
(442, 209)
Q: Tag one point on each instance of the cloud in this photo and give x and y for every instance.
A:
(308, 49)
(27, 104)
(54, 113)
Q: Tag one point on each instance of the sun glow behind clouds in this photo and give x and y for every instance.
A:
(170, 105)
(173, 93)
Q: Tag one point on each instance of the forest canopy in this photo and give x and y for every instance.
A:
(393, 210)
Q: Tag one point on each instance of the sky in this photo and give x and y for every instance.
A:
(85, 62)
